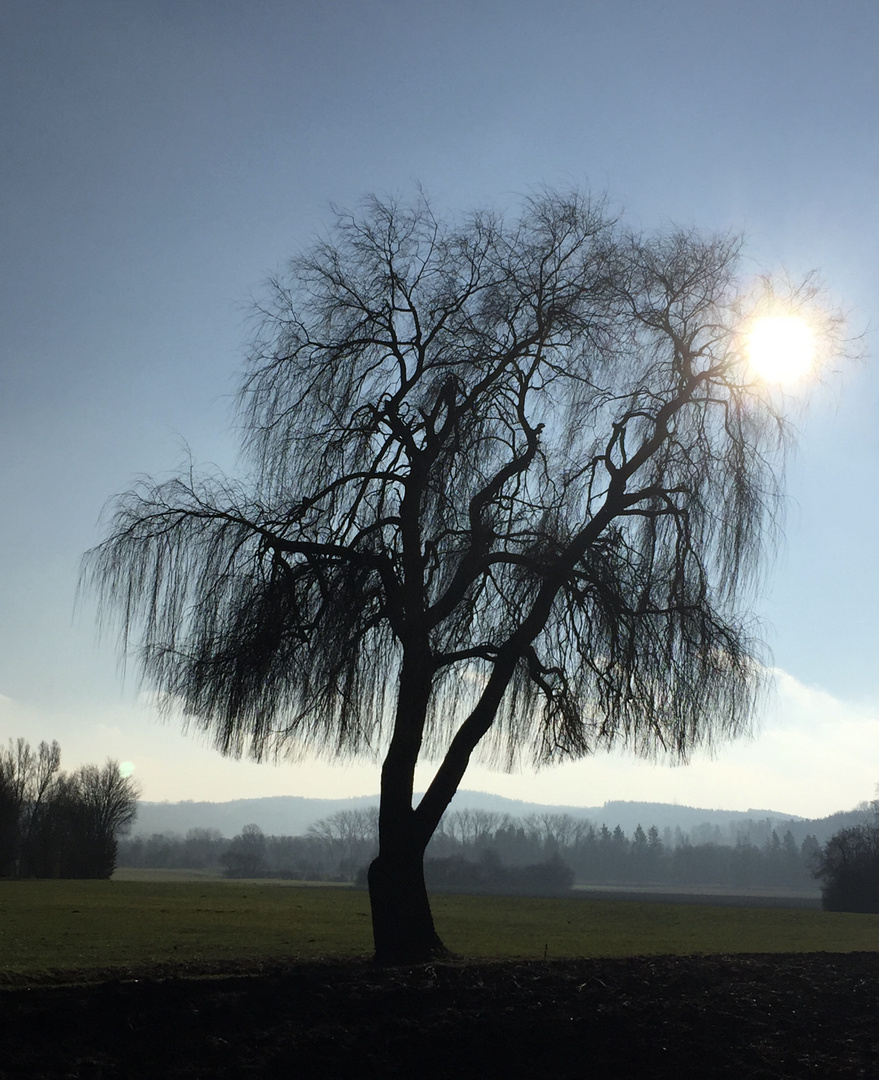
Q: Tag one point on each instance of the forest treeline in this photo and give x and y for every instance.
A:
(480, 849)
(60, 825)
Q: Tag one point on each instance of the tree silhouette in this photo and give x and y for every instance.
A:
(27, 779)
(246, 855)
(848, 868)
(509, 485)
(56, 824)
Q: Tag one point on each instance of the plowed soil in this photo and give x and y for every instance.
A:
(748, 1017)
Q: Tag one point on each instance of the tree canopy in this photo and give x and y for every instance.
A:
(848, 867)
(507, 483)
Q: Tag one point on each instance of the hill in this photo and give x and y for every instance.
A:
(291, 815)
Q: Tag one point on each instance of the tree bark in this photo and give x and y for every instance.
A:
(402, 922)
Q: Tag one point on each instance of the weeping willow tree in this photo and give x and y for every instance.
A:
(508, 485)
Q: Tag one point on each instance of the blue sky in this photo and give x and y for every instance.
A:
(160, 160)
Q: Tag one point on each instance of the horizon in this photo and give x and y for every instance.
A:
(807, 726)
(461, 795)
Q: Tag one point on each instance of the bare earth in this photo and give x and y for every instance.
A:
(748, 1017)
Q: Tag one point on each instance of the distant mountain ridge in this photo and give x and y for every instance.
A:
(291, 815)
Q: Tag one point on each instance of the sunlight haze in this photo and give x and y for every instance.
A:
(781, 348)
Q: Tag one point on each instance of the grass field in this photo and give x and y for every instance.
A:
(49, 927)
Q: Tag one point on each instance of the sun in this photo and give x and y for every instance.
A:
(781, 348)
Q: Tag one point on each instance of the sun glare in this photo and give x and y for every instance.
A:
(781, 349)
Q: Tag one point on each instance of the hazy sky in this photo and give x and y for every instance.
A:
(159, 160)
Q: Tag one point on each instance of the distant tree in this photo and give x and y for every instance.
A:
(552, 876)
(473, 828)
(246, 854)
(201, 848)
(26, 778)
(8, 830)
(350, 838)
(106, 806)
(639, 855)
(75, 833)
(810, 850)
(348, 826)
(487, 874)
(848, 869)
(513, 844)
(510, 482)
(54, 824)
(556, 830)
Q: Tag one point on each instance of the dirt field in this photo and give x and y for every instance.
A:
(749, 1017)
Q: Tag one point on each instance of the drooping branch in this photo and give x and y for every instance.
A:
(523, 456)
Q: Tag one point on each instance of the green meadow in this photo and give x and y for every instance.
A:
(50, 929)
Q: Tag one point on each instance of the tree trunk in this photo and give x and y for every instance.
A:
(402, 922)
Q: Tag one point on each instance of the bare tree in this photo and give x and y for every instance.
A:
(510, 484)
(556, 830)
(106, 809)
(26, 780)
(348, 837)
(54, 824)
(472, 828)
(848, 867)
(246, 855)
(75, 832)
(347, 827)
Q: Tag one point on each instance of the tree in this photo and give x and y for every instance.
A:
(54, 824)
(348, 828)
(75, 831)
(350, 837)
(473, 828)
(26, 778)
(105, 807)
(556, 830)
(848, 868)
(246, 855)
(509, 483)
